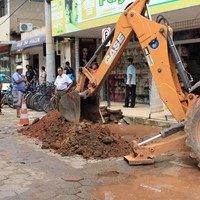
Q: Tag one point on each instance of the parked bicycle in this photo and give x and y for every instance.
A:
(49, 103)
(7, 98)
(39, 97)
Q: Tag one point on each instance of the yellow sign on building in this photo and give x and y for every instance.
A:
(74, 15)
(58, 17)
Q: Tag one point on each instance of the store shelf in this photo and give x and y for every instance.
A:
(117, 78)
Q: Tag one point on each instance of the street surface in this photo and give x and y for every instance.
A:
(31, 173)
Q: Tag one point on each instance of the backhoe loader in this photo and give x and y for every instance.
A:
(155, 38)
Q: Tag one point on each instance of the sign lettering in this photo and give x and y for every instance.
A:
(101, 2)
(115, 48)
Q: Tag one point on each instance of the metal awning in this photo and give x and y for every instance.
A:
(29, 42)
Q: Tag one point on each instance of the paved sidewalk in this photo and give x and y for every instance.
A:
(140, 114)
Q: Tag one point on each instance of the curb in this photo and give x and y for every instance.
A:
(147, 121)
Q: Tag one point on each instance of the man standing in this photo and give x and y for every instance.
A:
(36, 72)
(19, 85)
(43, 75)
(30, 76)
(130, 83)
(63, 83)
(69, 71)
(1, 85)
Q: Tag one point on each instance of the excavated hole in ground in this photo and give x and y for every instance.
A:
(88, 139)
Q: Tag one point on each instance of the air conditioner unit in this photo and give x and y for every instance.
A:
(23, 27)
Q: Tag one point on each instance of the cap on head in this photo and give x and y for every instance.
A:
(19, 67)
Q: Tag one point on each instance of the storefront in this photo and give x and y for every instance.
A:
(117, 78)
(95, 15)
(188, 45)
(30, 51)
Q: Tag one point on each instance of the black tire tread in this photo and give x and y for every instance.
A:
(193, 118)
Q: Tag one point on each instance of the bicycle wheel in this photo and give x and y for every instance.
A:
(44, 102)
(28, 99)
(32, 101)
(3, 101)
(9, 99)
(36, 105)
(51, 105)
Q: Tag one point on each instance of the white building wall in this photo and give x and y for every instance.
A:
(5, 28)
(33, 33)
(65, 53)
(30, 12)
(31, 51)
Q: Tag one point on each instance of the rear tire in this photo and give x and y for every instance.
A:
(192, 128)
(52, 105)
(36, 104)
(9, 100)
(28, 99)
(44, 102)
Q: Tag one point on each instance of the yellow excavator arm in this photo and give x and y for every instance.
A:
(166, 67)
(154, 40)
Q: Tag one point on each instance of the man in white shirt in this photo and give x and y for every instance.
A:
(63, 84)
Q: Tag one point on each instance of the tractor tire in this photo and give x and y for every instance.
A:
(192, 128)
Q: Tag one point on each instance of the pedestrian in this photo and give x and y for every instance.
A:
(63, 84)
(19, 86)
(130, 84)
(43, 75)
(1, 86)
(30, 76)
(69, 71)
(36, 79)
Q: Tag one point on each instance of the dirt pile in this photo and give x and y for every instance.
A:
(86, 138)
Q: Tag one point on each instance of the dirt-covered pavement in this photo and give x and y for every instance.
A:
(29, 172)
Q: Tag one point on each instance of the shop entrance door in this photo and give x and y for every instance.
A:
(35, 60)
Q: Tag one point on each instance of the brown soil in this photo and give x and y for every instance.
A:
(86, 138)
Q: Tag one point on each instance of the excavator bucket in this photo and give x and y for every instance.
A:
(90, 108)
(73, 108)
(69, 107)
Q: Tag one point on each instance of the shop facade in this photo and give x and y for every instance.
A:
(93, 18)
(29, 51)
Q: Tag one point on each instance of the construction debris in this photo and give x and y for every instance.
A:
(110, 115)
